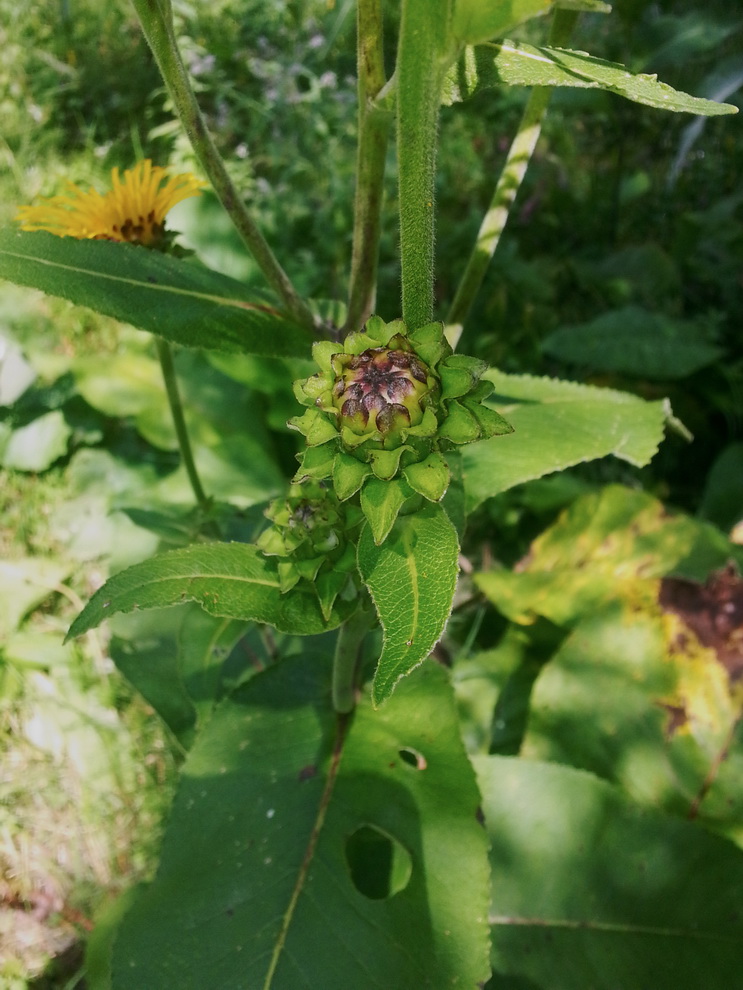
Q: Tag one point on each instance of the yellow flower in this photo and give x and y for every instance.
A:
(133, 210)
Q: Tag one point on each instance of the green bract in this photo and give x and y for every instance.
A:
(386, 406)
(313, 532)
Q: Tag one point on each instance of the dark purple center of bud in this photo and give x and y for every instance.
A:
(383, 385)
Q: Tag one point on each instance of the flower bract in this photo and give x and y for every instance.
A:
(133, 210)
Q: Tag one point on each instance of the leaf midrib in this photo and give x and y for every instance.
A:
(139, 283)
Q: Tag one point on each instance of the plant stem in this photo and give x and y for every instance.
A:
(374, 127)
(345, 662)
(509, 183)
(156, 19)
(423, 36)
(165, 354)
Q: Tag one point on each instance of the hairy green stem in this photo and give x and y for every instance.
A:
(345, 661)
(423, 38)
(156, 19)
(165, 354)
(507, 187)
(374, 128)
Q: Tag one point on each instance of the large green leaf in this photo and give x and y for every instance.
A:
(264, 881)
(635, 341)
(179, 300)
(590, 892)
(651, 712)
(233, 580)
(175, 658)
(558, 424)
(642, 690)
(411, 577)
(517, 64)
(600, 549)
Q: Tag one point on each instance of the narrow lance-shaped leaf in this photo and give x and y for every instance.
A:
(336, 859)
(411, 577)
(233, 580)
(517, 64)
(179, 300)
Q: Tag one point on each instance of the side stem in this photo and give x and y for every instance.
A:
(345, 662)
(509, 183)
(165, 354)
(156, 19)
(374, 128)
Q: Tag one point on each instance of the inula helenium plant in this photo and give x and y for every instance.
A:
(354, 808)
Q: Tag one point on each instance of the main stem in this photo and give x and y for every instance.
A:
(423, 36)
(345, 662)
(509, 183)
(156, 20)
(165, 354)
(374, 127)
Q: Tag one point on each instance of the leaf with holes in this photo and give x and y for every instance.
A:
(346, 857)
(412, 578)
(179, 300)
(588, 891)
(233, 580)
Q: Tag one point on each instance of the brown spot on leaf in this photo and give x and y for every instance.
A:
(677, 718)
(308, 772)
(713, 611)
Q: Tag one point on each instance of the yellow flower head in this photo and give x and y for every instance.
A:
(133, 210)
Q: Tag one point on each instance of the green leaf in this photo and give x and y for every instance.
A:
(642, 690)
(590, 892)
(518, 64)
(412, 578)
(619, 698)
(144, 648)
(723, 490)
(275, 891)
(475, 21)
(24, 584)
(232, 448)
(558, 424)
(175, 659)
(38, 445)
(601, 548)
(634, 341)
(179, 300)
(381, 502)
(429, 477)
(233, 580)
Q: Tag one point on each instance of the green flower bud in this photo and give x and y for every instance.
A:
(313, 533)
(387, 404)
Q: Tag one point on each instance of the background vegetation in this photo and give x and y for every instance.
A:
(628, 230)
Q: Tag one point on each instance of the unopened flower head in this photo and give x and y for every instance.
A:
(133, 210)
(388, 404)
(381, 389)
(312, 535)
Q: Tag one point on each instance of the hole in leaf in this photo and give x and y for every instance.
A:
(413, 758)
(380, 866)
